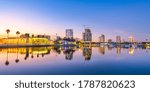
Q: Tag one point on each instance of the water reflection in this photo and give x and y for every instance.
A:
(102, 50)
(68, 52)
(26, 54)
(7, 62)
(131, 51)
(87, 53)
(110, 48)
(118, 50)
(17, 60)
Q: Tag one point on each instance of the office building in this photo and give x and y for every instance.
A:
(118, 39)
(87, 35)
(69, 33)
(102, 38)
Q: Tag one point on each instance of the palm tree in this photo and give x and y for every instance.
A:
(17, 33)
(32, 56)
(8, 31)
(17, 60)
(7, 62)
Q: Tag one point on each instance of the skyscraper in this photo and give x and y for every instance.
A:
(87, 35)
(131, 39)
(118, 39)
(102, 38)
(69, 33)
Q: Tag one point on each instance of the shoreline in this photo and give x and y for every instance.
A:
(47, 45)
(20, 46)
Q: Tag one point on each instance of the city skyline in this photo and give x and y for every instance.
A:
(86, 36)
(123, 18)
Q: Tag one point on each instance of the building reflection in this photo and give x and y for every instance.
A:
(25, 51)
(131, 51)
(36, 52)
(118, 50)
(110, 48)
(147, 47)
(87, 53)
(102, 50)
(57, 50)
(68, 53)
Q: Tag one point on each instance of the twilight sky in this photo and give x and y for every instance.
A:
(109, 17)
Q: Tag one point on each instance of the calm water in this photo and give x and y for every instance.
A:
(73, 60)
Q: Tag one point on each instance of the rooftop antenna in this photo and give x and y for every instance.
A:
(86, 27)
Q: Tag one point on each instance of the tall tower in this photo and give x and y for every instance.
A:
(118, 39)
(69, 33)
(102, 38)
(87, 35)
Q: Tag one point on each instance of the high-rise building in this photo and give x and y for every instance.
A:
(118, 39)
(102, 38)
(69, 33)
(87, 35)
(118, 50)
(131, 39)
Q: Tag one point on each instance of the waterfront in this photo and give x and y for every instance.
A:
(51, 60)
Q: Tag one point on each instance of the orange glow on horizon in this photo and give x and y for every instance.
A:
(24, 25)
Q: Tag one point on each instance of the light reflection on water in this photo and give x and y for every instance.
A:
(74, 60)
